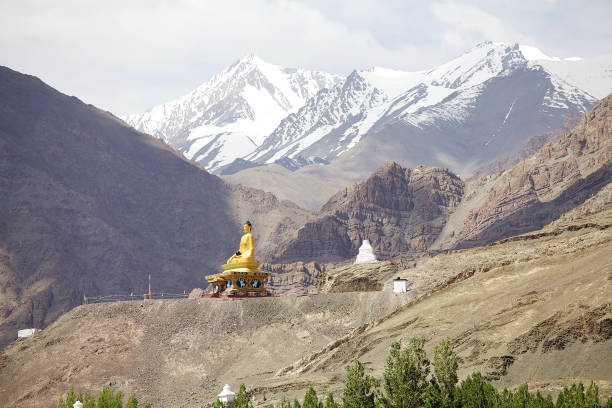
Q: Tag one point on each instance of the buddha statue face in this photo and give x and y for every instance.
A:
(247, 228)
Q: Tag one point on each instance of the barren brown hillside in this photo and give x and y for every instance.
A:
(534, 308)
(89, 206)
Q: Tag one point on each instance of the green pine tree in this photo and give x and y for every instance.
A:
(592, 396)
(242, 399)
(132, 401)
(105, 398)
(474, 392)
(71, 397)
(117, 401)
(285, 403)
(405, 377)
(90, 402)
(310, 399)
(329, 402)
(359, 388)
(445, 370)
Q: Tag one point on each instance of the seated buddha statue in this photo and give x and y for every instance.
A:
(246, 253)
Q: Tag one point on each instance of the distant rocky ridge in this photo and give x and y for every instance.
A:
(367, 277)
(560, 176)
(298, 278)
(533, 145)
(484, 106)
(403, 211)
(398, 209)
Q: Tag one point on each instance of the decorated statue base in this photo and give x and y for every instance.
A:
(241, 276)
(239, 279)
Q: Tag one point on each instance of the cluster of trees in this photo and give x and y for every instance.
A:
(106, 399)
(408, 381)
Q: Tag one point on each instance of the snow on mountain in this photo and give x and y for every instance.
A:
(593, 75)
(255, 113)
(344, 104)
(327, 126)
(234, 112)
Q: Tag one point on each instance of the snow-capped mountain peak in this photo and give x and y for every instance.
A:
(265, 113)
(336, 120)
(232, 114)
(343, 104)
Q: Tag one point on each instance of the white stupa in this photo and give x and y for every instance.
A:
(226, 395)
(366, 253)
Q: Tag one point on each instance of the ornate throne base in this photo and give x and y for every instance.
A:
(241, 279)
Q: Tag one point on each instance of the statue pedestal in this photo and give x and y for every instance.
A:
(240, 279)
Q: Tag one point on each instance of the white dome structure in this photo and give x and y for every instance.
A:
(366, 253)
(227, 395)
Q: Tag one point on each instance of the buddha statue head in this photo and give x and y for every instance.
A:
(247, 227)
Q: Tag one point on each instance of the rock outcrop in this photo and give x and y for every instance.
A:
(367, 277)
(399, 210)
(562, 175)
(297, 278)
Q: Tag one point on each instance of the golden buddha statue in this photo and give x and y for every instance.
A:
(246, 252)
(241, 276)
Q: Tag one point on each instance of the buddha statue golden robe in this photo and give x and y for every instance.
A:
(241, 276)
(246, 253)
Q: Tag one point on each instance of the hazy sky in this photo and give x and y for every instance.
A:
(127, 56)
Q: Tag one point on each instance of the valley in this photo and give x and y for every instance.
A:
(533, 308)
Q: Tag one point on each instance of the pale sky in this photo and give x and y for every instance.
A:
(128, 56)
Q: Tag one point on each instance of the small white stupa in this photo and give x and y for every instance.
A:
(366, 253)
(227, 395)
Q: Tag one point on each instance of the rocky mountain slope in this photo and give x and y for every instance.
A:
(403, 211)
(230, 115)
(533, 308)
(178, 352)
(558, 177)
(398, 209)
(89, 206)
(336, 115)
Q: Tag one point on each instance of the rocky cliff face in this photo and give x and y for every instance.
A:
(397, 209)
(562, 175)
(298, 278)
(367, 277)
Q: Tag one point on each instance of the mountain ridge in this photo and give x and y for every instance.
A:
(320, 128)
